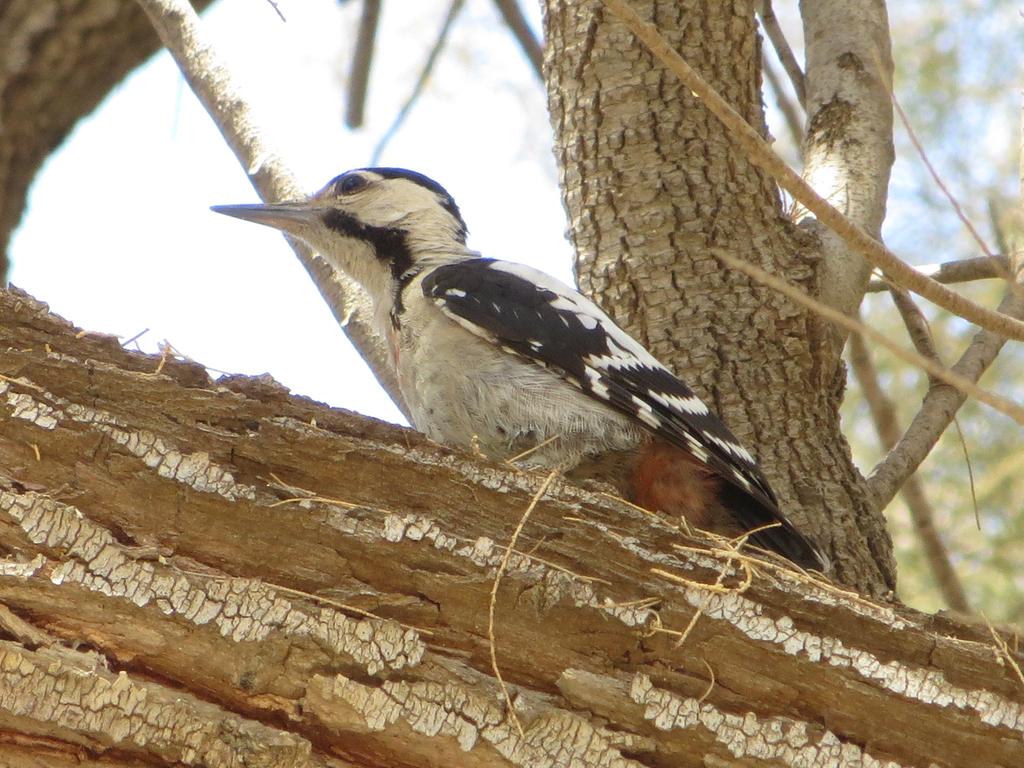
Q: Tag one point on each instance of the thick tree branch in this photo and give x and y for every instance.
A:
(176, 560)
(848, 152)
(180, 30)
(853, 235)
(883, 414)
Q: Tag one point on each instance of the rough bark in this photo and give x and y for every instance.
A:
(651, 183)
(162, 601)
(58, 59)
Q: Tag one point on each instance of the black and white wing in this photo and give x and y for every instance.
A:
(539, 318)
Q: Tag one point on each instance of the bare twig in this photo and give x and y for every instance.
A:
(362, 60)
(947, 376)
(921, 337)
(759, 153)
(937, 410)
(421, 81)
(1004, 653)
(883, 414)
(277, 10)
(912, 134)
(916, 324)
(516, 23)
(789, 110)
(771, 27)
(970, 471)
(960, 271)
(502, 567)
(180, 30)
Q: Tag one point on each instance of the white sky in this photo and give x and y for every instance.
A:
(118, 236)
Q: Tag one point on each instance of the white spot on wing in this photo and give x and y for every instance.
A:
(626, 349)
(567, 303)
(456, 292)
(730, 447)
(698, 450)
(597, 385)
(645, 413)
(741, 479)
(692, 405)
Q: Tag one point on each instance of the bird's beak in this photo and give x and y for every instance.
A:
(293, 217)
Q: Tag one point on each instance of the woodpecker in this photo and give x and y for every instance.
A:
(503, 357)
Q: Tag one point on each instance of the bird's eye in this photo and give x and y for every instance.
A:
(349, 184)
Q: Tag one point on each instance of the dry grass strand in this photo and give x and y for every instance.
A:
(502, 567)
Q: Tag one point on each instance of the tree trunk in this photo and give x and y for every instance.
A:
(220, 574)
(652, 185)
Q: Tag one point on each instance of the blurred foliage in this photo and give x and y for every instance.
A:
(958, 77)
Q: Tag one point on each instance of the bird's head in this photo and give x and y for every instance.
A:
(375, 224)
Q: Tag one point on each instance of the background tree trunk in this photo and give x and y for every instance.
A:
(171, 594)
(652, 185)
(59, 59)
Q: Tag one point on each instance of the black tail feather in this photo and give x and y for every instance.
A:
(776, 534)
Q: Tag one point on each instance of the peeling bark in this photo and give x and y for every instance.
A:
(652, 185)
(171, 596)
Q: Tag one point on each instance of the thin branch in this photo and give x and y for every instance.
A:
(912, 134)
(516, 23)
(972, 230)
(790, 111)
(883, 414)
(921, 336)
(946, 375)
(180, 31)
(421, 81)
(937, 410)
(759, 153)
(771, 27)
(959, 271)
(277, 10)
(362, 60)
(916, 324)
